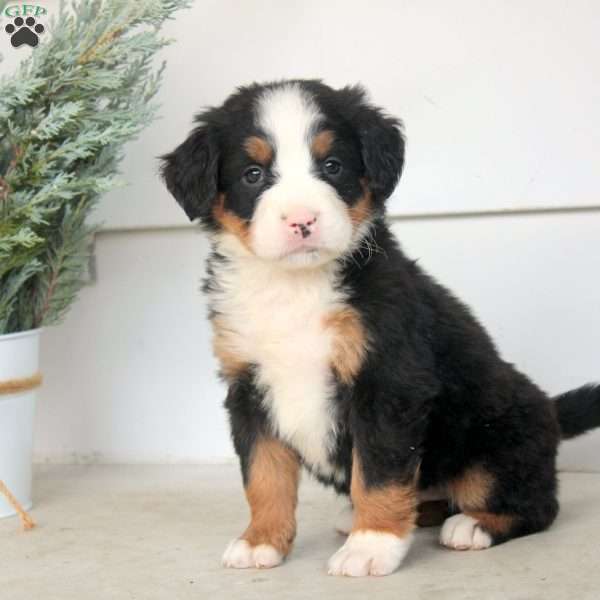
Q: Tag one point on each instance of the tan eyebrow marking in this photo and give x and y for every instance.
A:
(322, 143)
(258, 149)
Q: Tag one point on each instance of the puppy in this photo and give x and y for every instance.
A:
(341, 355)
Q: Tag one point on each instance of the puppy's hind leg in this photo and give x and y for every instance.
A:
(492, 513)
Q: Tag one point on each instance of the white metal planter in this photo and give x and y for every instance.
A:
(19, 379)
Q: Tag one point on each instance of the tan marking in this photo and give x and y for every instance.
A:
(363, 209)
(390, 508)
(27, 522)
(349, 344)
(16, 386)
(231, 222)
(472, 489)
(492, 523)
(322, 143)
(258, 149)
(224, 348)
(272, 495)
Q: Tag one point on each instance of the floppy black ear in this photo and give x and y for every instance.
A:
(381, 141)
(190, 173)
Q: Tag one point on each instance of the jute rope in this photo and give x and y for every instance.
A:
(26, 521)
(14, 386)
(24, 384)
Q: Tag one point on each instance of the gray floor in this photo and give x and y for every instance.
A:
(158, 532)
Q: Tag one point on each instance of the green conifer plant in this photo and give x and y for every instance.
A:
(65, 115)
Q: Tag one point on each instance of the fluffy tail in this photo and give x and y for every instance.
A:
(578, 411)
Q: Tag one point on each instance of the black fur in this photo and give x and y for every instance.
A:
(248, 419)
(433, 396)
(190, 173)
(435, 390)
(209, 160)
(378, 136)
(578, 410)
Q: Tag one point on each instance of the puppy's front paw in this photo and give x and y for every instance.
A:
(462, 532)
(239, 554)
(369, 553)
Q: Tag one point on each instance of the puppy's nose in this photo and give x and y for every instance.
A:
(301, 222)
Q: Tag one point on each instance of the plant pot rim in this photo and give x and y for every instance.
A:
(20, 334)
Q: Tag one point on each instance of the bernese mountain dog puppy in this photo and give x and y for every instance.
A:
(341, 354)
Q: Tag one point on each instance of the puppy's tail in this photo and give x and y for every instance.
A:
(578, 411)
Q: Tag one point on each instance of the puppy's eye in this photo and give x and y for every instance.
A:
(332, 166)
(253, 175)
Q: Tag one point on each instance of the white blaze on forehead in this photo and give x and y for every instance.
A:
(289, 117)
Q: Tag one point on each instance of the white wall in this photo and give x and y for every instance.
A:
(129, 376)
(500, 101)
(500, 97)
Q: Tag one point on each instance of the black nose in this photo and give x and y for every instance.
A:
(304, 230)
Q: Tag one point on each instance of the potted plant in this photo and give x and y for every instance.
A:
(84, 91)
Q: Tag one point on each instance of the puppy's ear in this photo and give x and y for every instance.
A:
(381, 142)
(190, 173)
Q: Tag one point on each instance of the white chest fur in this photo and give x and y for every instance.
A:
(276, 319)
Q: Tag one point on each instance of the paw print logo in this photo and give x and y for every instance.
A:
(24, 31)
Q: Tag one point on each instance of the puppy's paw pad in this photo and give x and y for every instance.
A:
(369, 553)
(461, 532)
(343, 522)
(239, 554)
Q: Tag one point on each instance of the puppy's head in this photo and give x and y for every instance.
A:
(291, 172)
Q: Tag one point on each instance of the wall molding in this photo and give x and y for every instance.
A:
(396, 217)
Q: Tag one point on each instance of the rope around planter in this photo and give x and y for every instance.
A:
(24, 384)
(14, 386)
(26, 521)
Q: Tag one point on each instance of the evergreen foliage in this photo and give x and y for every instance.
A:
(65, 115)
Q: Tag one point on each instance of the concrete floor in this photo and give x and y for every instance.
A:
(145, 532)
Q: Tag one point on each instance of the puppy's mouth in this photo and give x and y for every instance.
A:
(306, 256)
(304, 249)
